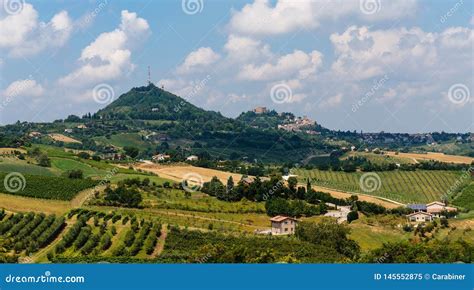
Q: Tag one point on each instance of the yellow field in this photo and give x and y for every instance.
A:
(433, 156)
(63, 138)
(26, 204)
(180, 172)
(8, 151)
(17, 203)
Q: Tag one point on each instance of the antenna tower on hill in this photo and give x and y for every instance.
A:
(149, 76)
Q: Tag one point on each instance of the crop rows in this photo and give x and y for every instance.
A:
(27, 233)
(96, 234)
(403, 186)
(47, 187)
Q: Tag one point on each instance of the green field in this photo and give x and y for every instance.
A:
(380, 159)
(371, 235)
(21, 166)
(46, 187)
(465, 198)
(451, 147)
(124, 139)
(403, 186)
(64, 164)
(199, 202)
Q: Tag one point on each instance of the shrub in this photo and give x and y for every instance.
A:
(74, 174)
(352, 216)
(105, 242)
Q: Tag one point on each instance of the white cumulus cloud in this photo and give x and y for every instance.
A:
(22, 34)
(198, 59)
(108, 57)
(263, 18)
(26, 87)
(298, 63)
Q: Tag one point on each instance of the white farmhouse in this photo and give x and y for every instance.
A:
(192, 158)
(160, 157)
(283, 225)
(420, 217)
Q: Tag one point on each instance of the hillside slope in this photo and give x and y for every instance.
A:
(153, 103)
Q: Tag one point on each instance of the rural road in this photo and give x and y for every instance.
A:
(385, 202)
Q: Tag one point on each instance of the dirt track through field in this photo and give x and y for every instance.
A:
(160, 245)
(387, 203)
(41, 254)
(85, 195)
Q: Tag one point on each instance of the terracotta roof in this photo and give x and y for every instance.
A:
(280, 218)
(436, 202)
(449, 208)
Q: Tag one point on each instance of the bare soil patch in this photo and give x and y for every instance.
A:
(63, 138)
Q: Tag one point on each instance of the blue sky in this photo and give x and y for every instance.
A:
(371, 65)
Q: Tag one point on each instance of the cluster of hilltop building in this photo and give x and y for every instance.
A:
(292, 124)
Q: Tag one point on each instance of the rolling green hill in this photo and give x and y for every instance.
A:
(153, 103)
(418, 186)
(153, 110)
(15, 165)
(465, 198)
